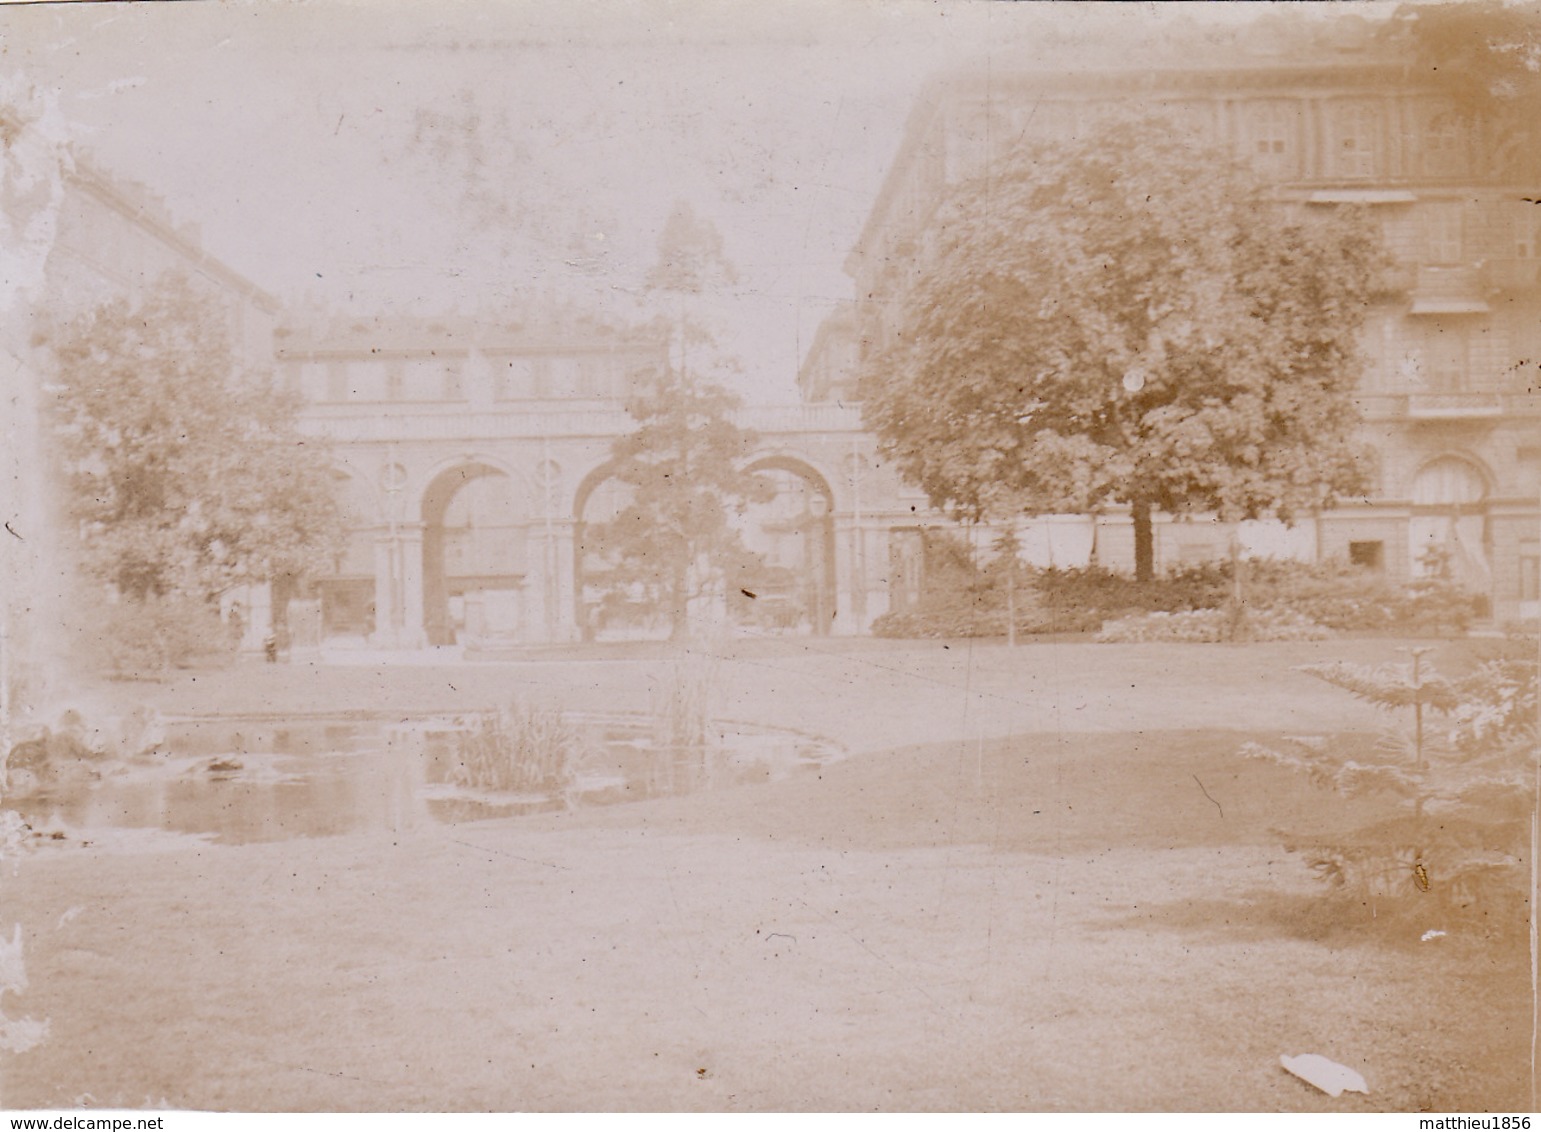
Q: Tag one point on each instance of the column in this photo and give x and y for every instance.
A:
(413, 630)
(387, 613)
(259, 618)
(535, 591)
(563, 587)
(850, 586)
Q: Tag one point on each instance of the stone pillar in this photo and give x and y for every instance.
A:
(259, 618)
(534, 595)
(850, 586)
(564, 595)
(387, 613)
(399, 589)
(413, 631)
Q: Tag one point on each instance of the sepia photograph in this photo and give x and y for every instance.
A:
(899, 556)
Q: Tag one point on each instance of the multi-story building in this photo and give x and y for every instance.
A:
(1449, 400)
(71, 238)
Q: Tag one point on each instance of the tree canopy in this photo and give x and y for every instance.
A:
(1126, 318)
(675, 542)
(1485, 55)
(186, 475)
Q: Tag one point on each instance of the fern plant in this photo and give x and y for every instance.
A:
(1455, 760)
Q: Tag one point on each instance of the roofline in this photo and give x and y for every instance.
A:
(1357, 72)
(92, 180)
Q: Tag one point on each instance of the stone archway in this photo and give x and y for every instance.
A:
(600, 498)
(474, 557)
(794, 533)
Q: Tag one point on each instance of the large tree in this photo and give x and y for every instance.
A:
(1485, 56)
(187, 475)
(676, 541)
(1127, 318)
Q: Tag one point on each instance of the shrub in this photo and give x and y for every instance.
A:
(518, 749)
(1461, 791)
(1282, 599)
(1205, 626)
(1352, 598)
(143, 639)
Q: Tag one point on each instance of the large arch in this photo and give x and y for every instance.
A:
(794, 532)
(599, 498)
(474, 517)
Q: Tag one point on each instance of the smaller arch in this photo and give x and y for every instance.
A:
(1451, 479)
(810, 469)
(793, 532)
(474, 555)
(588, 485)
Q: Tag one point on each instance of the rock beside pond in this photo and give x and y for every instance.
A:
(52, 757)
(75, 750)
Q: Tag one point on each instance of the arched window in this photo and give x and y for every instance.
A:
(1449, 481)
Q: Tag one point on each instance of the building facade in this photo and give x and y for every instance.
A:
(473, 457)
(1449, 400)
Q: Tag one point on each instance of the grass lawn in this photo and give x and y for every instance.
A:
(1007, 897)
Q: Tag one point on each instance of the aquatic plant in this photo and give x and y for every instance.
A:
(521, 748)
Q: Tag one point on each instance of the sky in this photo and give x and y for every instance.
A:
(416, 158)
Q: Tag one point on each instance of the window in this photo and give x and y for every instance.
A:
(367, 380)
(1442, 146)
(1442, 223)
(1449, 481)
(1368, 555)
(539, 377)
(1439, 362)
(395, 380)
(1525, 228)
(1353, 136)
(1447, 357)
(313, 381)
(336, 381)
(454, 382)
(514, 378)
(1530, 571)
(1270, 132)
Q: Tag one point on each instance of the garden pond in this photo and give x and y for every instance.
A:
(249, 779)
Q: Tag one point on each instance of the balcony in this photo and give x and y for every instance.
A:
(1483, 405)
(1449, 290)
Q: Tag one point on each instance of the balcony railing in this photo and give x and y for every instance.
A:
(1449, 290)
(1454, 406)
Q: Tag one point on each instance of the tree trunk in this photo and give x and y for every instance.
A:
(1144, 542)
